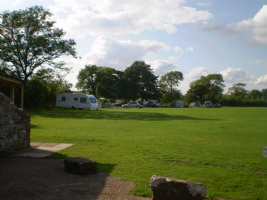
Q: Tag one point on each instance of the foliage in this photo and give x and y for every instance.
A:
(264, 94)
(167, 84)
(100, 81)
(254, 94)
(87, 78)
(29, 40)
(208, 87)
(140, 81)
(169, 97)
(221, 148)
(238, 89)
(42, 87)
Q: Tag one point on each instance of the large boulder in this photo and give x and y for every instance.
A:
(176, 189)
(77, 165)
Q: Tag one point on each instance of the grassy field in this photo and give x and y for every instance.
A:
(221, 148)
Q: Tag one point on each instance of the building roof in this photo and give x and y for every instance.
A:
(10, 80)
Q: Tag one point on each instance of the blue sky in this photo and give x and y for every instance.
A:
(192, 36)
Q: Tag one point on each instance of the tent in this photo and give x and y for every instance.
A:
(177, 104)
(208, 104)
(195, 104)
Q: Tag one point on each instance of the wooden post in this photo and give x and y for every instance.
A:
(12, 93)
(22, 96)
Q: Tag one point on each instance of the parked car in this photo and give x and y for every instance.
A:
(159, 105)
(217, 105)
(132, 104)
(208, 104)
(149, 104)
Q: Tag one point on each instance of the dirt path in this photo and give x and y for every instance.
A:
(32, 178)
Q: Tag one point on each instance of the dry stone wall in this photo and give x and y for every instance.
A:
(14, 127)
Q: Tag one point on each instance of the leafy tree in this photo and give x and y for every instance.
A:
(264, 93)
(87, 78)
(107, 82)
(43, 86)
(254, 94)
(208, 87)
(238, 90)
(190, 97)
(169, 81)
(141, 81)
(100, 81)
(29, 40)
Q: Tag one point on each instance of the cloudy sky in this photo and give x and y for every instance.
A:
(196, 37)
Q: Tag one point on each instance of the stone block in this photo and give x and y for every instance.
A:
(14, 137)
(175, 189)
(2, 142)
(77, 165)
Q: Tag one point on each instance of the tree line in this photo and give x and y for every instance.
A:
(30, 46)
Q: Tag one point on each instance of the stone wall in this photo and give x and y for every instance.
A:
(14, 127)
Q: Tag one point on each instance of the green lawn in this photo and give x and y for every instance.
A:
(221, 148)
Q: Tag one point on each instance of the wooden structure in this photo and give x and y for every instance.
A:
(10, 81)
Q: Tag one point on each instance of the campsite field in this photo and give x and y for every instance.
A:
(221, 148)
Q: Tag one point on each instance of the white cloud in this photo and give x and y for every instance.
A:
(261, 81)
(255, 29)
(190, 49)
(178, 50)
(257, 62)
(203, 4)
(198, 72)
(161, 67)
(173, 58)
(117, 54)
(236, 75)
(124, 17)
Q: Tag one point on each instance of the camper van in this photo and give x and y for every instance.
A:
(80, 101)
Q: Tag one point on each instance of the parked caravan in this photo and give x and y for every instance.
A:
(80, 101)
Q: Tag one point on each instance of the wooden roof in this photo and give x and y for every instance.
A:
(10, 80)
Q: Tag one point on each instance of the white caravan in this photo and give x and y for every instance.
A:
(80, 101)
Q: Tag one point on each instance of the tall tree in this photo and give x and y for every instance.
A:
(106, 83)
(87, 78)
(264, 93)
(29, 40)
(169, 81)
(208, 87)
(141, 80)
(238, 90)
(254, 94)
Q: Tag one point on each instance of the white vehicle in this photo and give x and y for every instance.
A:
(80, 101)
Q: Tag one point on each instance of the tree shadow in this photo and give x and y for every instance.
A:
(115, 115)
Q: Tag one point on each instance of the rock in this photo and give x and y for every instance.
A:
(11, 121)
(175, 189)
(77, 165)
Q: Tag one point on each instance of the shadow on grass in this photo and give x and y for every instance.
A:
(35, 126)
(114, 115)
(103, 167)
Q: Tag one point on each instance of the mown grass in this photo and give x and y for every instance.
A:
(221, 148)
